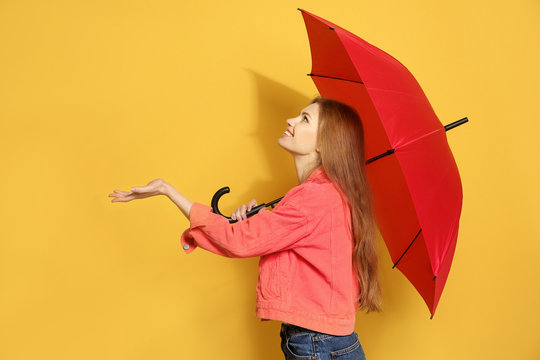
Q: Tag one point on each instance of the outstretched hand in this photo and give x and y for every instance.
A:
(154, 187)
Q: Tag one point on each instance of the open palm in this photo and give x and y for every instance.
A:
(154, 187)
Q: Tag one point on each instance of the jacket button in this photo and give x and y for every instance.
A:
(186, 246)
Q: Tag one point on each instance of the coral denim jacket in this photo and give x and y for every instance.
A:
(306, 275)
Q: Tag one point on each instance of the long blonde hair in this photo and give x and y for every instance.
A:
(340, 139)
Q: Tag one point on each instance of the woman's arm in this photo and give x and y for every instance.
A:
(267, 232)
(180, 200)
(213, 232)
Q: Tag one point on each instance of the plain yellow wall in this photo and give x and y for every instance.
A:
(103, 95)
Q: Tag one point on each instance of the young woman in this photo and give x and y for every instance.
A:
(318, 260)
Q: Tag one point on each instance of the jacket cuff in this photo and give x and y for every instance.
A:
(187, 242)
(198, 216)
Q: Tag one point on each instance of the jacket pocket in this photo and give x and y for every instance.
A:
(269, 276)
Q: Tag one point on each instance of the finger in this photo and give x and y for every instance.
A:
(233, 216)
(252, 204)
(125, 196)
(239, 214)
(115, 196)
(262, 209)
(243, 212)
(122, 192)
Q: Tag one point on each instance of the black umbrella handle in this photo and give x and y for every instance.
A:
(225, 190)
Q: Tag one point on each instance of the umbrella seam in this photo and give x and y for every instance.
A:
(401, 146)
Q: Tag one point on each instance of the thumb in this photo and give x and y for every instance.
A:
(262, 209)
(146, 188)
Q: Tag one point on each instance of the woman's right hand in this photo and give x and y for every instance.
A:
(153, 188)
(240, 213)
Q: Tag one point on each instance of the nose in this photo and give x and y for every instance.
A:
(290, 122)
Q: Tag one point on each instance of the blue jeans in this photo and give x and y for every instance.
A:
(301, 343)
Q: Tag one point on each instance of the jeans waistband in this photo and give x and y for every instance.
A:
(291, 329)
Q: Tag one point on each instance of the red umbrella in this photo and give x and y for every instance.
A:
(412, 172)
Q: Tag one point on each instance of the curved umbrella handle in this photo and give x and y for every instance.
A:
(225, 190)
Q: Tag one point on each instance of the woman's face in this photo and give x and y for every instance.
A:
(302, 139)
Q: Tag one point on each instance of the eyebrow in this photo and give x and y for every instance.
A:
(303, 112)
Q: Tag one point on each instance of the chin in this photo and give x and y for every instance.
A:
(281, 144)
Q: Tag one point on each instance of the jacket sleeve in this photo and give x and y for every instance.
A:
(263, 233)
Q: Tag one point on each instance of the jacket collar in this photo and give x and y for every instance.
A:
(317, 174)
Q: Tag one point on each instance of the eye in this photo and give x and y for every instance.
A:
(305, 117)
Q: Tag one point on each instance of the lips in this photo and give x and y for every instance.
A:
(288, 133)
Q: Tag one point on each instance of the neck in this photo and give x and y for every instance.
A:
(303, 163)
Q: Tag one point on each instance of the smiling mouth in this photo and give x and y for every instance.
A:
(288, 133)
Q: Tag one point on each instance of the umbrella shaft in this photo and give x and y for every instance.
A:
(455, 123)
(389, 152)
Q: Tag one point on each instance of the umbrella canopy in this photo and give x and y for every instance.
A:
(414, 177)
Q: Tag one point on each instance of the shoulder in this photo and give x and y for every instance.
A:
(293, 197)
(321, 193)
(313, 195)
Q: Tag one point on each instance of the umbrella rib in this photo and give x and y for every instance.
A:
(332, 77)
(408, 247)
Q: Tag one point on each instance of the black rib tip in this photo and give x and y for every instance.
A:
(331, 28)
(431, 317)
(434, 278)
(299, 9)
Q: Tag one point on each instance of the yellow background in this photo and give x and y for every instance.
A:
(103, 95)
